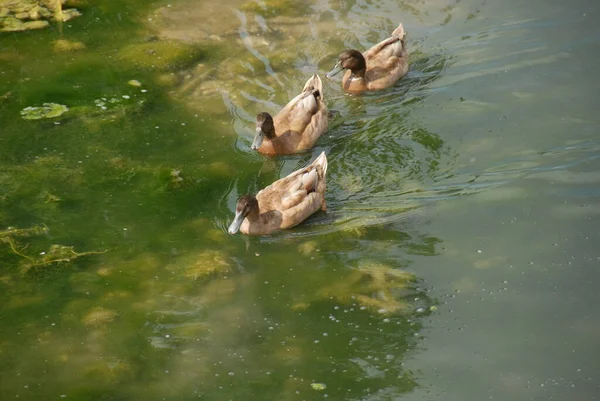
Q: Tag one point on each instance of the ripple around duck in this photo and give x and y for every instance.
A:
(359, 188)
(365, 192)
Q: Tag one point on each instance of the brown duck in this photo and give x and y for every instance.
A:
(297, 127)
(377, 68)
(283, 204)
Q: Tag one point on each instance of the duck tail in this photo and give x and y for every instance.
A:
(399, 32)
(314, 85)
(321, 161)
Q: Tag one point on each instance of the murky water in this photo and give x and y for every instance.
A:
(458, 258)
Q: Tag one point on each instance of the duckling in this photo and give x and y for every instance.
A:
(377, 68)
(297, 127)
(283, 204)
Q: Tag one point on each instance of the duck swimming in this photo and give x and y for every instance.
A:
(377, 68)
(283, 204)
(297, 127)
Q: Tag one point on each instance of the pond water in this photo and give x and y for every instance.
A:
(458, 259)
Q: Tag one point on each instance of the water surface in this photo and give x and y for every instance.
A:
(458, 258)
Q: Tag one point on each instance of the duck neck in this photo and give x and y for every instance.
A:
(358, 74)
(253, 215)
(270, 134)
(358, 66)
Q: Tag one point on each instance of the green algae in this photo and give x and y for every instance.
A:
(84, 282)
(203, 265)
(99, 317)
(110, 371)
(47, 110)
(24, 15)
(56, 255)
(167, 55)
(23, 232)
(374, 286)
(66, 46)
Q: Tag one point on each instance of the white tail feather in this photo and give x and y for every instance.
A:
(321, 161)
(314, 83)
(399, 32)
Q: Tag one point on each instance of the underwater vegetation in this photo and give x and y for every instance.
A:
(374, 286)
(47, 110)
(56, 255)
(123, 282)
(161, 55)
(23, 15)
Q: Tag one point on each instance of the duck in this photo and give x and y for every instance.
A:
(283, 204)
(297, 127)
(377, 68)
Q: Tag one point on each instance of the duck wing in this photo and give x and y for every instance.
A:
(298, 195)
(394, 46)
(300, 112)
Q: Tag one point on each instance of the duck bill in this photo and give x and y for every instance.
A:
(258, 139)
(234, 227)
(335, 70)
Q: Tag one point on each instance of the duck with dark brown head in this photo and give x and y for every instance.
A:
(297, 127)
(377, 68)
(283, 204)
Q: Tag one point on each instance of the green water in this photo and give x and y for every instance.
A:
(458, 258)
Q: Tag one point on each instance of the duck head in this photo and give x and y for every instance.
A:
(352, 60)
(247, 206)
(264, 127)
